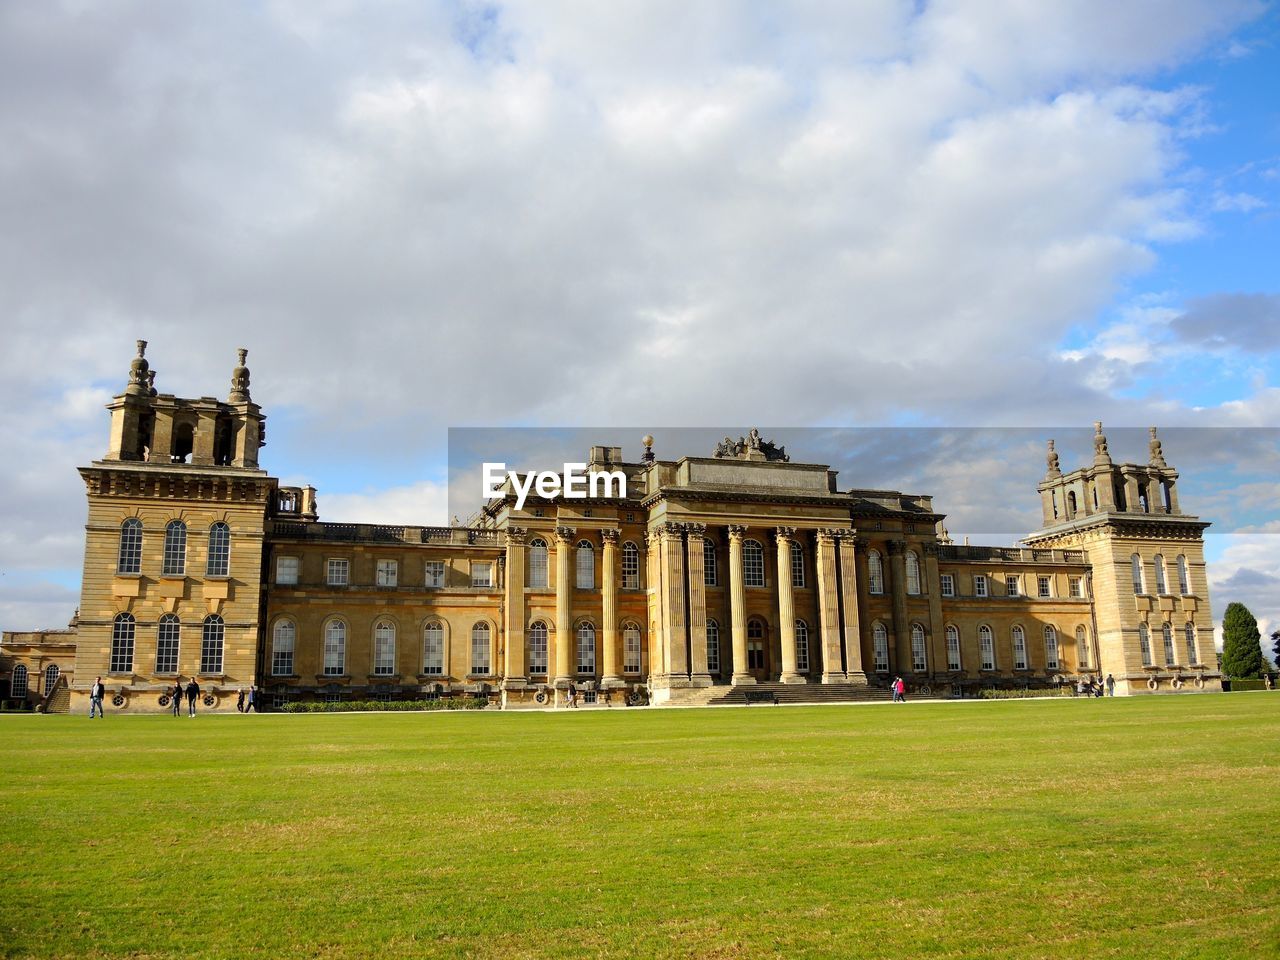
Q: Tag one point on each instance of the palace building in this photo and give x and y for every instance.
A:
(715, 575)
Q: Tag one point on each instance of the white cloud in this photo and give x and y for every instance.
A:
(421, 504)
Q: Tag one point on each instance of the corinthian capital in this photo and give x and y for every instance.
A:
(565, 534)
(786, 533)
(610, 535)
(516, 534)
(737, 531)
(695, 529)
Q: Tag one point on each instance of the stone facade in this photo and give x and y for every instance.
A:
(731, 569)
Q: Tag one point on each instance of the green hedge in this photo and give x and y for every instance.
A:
(1241, 685)
(1025, 694)
(378, 706)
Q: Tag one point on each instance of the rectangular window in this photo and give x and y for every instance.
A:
(339, 573)
(979, 586)
(480, 653)
(918, 663)
(433, 650)
(630, 567)
(953, 648)
(987, 647)
(384, 651)
(710, 575)
(1019, 649)
(482, 575)
(1043, 587)
(948, 585)
(631, 652)
(880, 650)
(1077, 587)
(538, 650)
(388, 573)
(797, 566)
(167, 645)
(435, 573)
(287, 570)
(1011, 586)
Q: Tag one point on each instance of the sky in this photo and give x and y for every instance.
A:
(418, 216)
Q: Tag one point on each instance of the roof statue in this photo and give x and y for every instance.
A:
(750, 447)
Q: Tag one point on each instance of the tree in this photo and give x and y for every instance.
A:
(1241, 647)
(1275, 649)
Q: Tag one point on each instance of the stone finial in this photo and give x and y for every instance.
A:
(151, 382)
(240, 379)
(139, 386)
(1157, 450)
(647, 440)
(1051, 459)
(1101, 457)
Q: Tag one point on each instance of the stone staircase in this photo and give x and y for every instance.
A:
(57, 700)
(802, 693)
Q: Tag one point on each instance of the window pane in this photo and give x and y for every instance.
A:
(802, 647)
(1082, 647)
(287, 570)
(338, 573)
(913, 572)
(880, 647)
(987, 645)
(631, 649)
(797, 565)
(538, 648)
(167, 640)
(131, 546)
(586, 566)
(480, 649)
(433, 650)
(1019, 649)
(953, 648)
(538, 563)
(384, 649)
(713, 647)
(282, 644)
(586, 649)
(875, 576)
(335, 648)
(175, 549)
(752, 563)
(482, 575)
(435, 573)
(219, 561)
(1050, 648)
(1144, 644)
(122, 635)
(918, 662)
(211, 643)
(710, 574)
(630, 566)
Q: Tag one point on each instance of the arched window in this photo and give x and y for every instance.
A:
(1166, 634)
(433, 649)
(168, 638)
(18, 685)
(880, 647)
(1082, 648)
(219, 563)
(802, 646)
(752, 563)
(630, 566)
(710, 573)
(1050, 648)
(919, 663)
(631, 648)
(335, 648)
(1135, 563)
(538, 563)
(987, 647)
(130, 546)
(913, 573)
(1184, 581)
(1160, 581)
(175, 549)
(538, 648)
(586, 649)
(283, 640)
(713, 647)
(481, 662)
(797, 564)
(953, 647)
(1019, 648)
(212, 638)
(1144, 644)
(51, 674)
(586, 579)
(384, 648)
(122, 631)
(875, 574)
(1192, 657)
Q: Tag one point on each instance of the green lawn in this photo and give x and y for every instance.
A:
(1092, 828)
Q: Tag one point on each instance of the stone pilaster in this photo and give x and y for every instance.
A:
(855, 672)
(936, 642)
(564, 665)
(674, 631)
(699, 675)
(738, 606)
(787, 607)
(612, 676)
(829, 606)
(514, 668)
(900, 641)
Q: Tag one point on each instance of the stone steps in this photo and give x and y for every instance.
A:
(803, 693)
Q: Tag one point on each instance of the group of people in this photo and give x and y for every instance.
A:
(192, 693)
(899, 688)
(1095, 688)
(245, 702)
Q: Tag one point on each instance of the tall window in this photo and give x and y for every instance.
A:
(433, 649)
(713, 647)
(1019, 649)
(122, 631)
(218, 563)
(631, 649)
(980, 585)
(51, 674)
(18, 685)
(481, 574)
(538, 563)
(913, 572)
(1191, 644)
(130, 546)
(630, 566)
(384, 648)
(339, 573)
(586, 649)
(1135, 562)
(286, 570)
(387, 573)
(953, 647)
(175, 549)
(335, 648)
(797, 565)
(586, 566)
(1161, 587)
(1076, 586)
(1166, 634)
(947, 582)
(1144, 643)
(1184, 582)
(918, 662)
(875, 575)
(880, 647)
(435, 573)
(1044, 587)
(752, 563)
(710, 574)
(480, 661)
(212, 638)
(283, 640)
(168, 636)
(1050, 648)
(1082, 648)
(802, 647)
(537, 648)
(1011, 586)
(987, 647)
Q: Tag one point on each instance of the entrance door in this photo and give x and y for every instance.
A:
(757, 663)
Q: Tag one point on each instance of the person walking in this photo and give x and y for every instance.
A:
(193, 694)
(901, 689)
(240, 701)
(176, 697)
(251, 700)
(1111, 685)
(96, 693)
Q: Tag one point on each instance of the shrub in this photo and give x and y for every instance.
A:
(378, 706)
(1025, 694)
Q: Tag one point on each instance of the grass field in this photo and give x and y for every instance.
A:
(1099, 828)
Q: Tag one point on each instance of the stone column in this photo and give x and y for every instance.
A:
(738, 606)
(564, 609)
(699, 675)
(900, 642)
(936, 642)
(787, 607)
(609, 610)
(674, 635)
(202, 442)
(829, 606)
(854, 670)
(653, 591)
